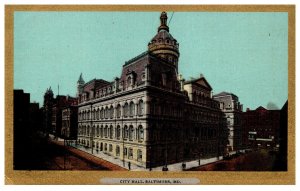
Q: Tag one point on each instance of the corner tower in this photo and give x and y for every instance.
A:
(80, 84)
(163, 44)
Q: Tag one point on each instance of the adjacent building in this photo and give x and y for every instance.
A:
(27, 120)
(263, 127)
(150, 115)
(53, 112)
(232, 108)
(69, 122)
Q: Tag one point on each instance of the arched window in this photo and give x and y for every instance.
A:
(98, 114)
(88, 131)
(131, 112)
(125, 132)
(140, 133)
(128, 81)
(131, 132)
(117, 150)
(105, 131)
(106, 112)
(111, 131)
(126, 110)
(111, 112)
(141, 107)
(97, 131)
(88, 115)
(93, 114)
(102, 113)
(101, 131)
(139, 155)
(118, 132)
(118, 111)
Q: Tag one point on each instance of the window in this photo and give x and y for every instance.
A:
(125, 151)
(131, 132)
(128, 81)
(97, 114)
(88, 131)
(105, 131)
(117, 150)
(102, 113)
(130, 153)
(141, 107)
(126, 109)
(111, 131)
(101, 131)
(118, 111)
(139, 155)
(110, 148)
(131, 113)
(93, 114)
(97, 131)
(88, 115)
(140, 133)
(106, 112)
(111, 113)
(105, 147)
(125, 132)
(118, 132)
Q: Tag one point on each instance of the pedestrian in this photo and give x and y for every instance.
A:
(129, 165)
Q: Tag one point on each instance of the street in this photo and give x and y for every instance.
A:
(260, 160)
(50, 155)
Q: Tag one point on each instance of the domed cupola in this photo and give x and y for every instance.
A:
(163, 44)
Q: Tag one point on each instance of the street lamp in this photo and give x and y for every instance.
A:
(165, 167)
(150, 166)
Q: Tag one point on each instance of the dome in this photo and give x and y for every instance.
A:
(163, 44)
(163, 35)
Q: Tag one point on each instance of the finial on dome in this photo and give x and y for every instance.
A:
(163, 22)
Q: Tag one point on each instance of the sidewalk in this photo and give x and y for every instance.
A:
(107, 159)
(92, 158)
(171, 167)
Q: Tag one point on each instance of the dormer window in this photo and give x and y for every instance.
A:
(128, 81)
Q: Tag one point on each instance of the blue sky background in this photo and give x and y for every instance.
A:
(242, 53)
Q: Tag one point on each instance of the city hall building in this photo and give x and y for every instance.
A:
(150, 116)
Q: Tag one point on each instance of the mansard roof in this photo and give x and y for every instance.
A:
(137, 66)
(95, 84)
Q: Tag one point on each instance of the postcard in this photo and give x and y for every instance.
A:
(150, 95)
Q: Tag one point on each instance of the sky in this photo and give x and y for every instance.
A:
(242, 53)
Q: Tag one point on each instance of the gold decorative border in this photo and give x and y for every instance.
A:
(93, 177)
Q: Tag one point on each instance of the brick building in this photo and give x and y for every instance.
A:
(53, 111)
(263, 127)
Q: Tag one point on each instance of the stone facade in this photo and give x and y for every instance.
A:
(150, 115)
(230, 105)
